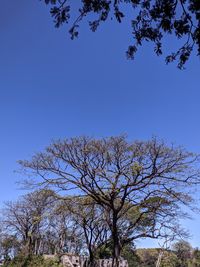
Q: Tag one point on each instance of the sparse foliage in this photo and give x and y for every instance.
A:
(140, 186)
(183, 250)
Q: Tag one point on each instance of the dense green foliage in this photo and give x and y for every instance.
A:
(34, 261)
(128, 252)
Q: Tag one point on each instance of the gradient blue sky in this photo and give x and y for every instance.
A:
(52, 87)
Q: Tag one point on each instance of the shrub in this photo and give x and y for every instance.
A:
(34, 261)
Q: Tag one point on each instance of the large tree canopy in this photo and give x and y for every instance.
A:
(151, 20)
(141, 186)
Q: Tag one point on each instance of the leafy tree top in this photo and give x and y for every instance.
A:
(151, 21)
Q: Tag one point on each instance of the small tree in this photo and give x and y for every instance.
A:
(183, 250)
(9, 247)
(90, 218)
(195, 261)
(24, 219)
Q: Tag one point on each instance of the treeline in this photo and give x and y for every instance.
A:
(38, 224)
(98, 196)
(43, 222)
(181, 254)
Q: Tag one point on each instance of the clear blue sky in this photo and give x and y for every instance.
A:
(52, 87)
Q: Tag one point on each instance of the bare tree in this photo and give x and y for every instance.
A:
(63, 233)
(91, 219)
(150, 177)
(24, 219)
(9, 246)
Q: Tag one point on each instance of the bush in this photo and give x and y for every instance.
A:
(34, 261)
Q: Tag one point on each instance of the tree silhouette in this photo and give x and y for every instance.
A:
(151, 20)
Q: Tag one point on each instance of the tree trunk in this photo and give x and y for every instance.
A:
(116, 252)
(116, 243)
(91, 259)
(91, 262)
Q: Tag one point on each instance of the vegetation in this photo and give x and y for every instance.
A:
(135, 190)
(135, 257)
(150, 20)
(96, 197)
(171, 258)
(34, 261)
